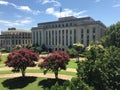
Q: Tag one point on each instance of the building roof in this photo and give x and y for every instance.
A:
(15, 30)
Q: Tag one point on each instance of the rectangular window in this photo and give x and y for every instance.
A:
(74, 35)
(59, 37)
(49, 38)
(94, 30)
(87, 30)
(56, 37)
(66, 37)
(63, 37)
(52, 37)
(81, 30)
(93, 37)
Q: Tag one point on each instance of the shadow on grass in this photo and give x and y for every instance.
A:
(48, 83)
(18, 83)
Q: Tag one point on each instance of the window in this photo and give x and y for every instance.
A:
(87, 42)
(87, 30)
(82, 41)
(52, 37)
(66, 24)
(93, 37)
(81, 30)
(74, 35)
(87, 36)
(56, 37)
(52, 26)
(59, 25)
(70, 24)
(66, 37)
(62, 25)
(94, 30)
(49, 38)
(59, 37)
(82, 36)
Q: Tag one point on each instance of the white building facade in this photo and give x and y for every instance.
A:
(9, 39)
(58, 35)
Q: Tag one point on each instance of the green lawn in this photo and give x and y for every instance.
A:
(4, 57)
(28, 83)
(71, 64)
(31, 83)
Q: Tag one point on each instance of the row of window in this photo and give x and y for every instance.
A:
(8, 42)
(54, 37)
(93, 30)
(59, 25)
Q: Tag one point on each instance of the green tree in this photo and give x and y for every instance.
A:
(72, 52)
(79, 47)
(113, 67)
(112, 37)
(101, 69)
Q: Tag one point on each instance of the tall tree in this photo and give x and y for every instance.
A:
(112, 37)
(21, 59)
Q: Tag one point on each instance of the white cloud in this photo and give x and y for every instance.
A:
(22, 8)
(16, 23)
(65, 12)
(116, 5)
(3, 3)
(55, 2)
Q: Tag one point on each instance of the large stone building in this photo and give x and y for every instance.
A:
(9, 39)
(58, 35)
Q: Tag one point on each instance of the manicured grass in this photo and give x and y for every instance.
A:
(72, 64)
(2, 63)
(28, 83)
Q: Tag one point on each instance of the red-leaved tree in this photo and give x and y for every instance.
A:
(21, 59)
(55, 62)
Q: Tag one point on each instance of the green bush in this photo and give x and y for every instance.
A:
(72, 52)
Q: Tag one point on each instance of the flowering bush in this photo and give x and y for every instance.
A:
(21, 59)
(55, 62)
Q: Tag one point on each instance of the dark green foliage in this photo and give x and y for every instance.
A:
(77, 84)
(44, 48)
(112, 37)
(113, 67)
(36, 49)
(101, 69)
(72, 52)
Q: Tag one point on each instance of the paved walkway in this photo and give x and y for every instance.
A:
(67, 77)
(37, 68)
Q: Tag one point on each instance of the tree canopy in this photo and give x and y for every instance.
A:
(21, 59)
(55, 62)
(112, 37)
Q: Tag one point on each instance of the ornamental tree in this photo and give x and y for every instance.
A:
(55, 62)
(21, 59)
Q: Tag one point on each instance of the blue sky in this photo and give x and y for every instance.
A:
(24, 14)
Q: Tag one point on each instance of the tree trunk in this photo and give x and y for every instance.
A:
(23, 72)
(56, 74)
